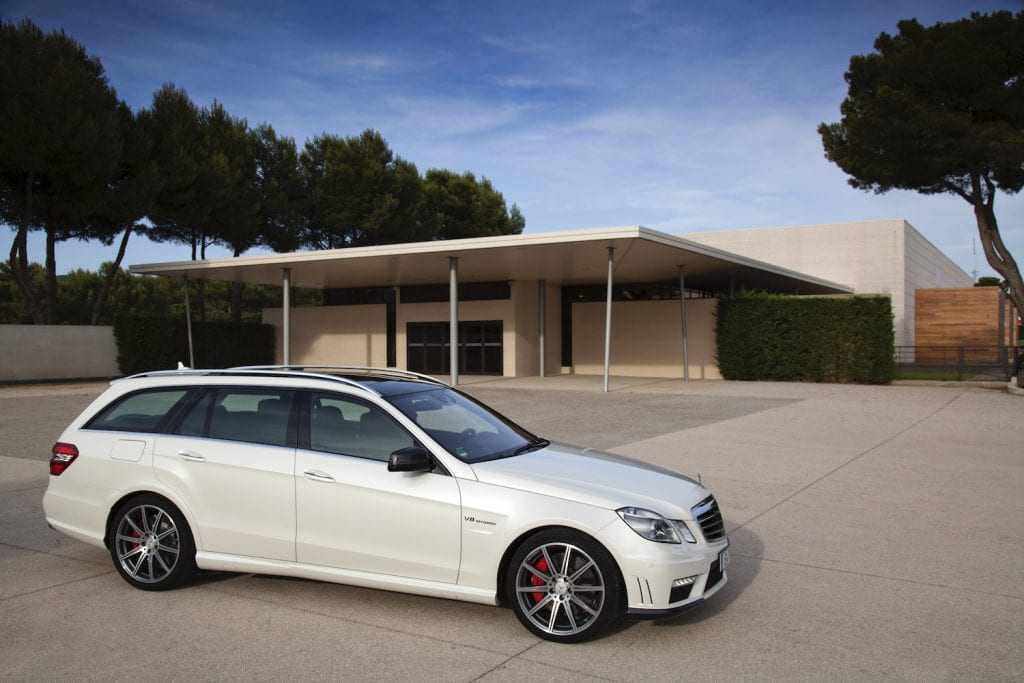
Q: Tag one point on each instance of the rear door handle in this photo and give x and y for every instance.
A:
(317, 475)
(189, 455)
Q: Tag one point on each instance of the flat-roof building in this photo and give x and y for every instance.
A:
(537, 304)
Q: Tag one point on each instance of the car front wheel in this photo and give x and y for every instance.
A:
(151, 544)
(563, 586)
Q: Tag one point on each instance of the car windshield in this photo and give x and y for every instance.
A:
(466, 429)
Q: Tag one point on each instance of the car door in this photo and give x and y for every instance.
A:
(231, 463)
(352, 513)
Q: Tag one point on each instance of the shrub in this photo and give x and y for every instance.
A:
(810, 339)
(148, 343)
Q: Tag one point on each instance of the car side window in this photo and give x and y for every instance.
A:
(194, 423)
(255, 415)
(138, 412)
(346, 426)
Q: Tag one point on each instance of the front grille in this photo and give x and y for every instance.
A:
(709, 517)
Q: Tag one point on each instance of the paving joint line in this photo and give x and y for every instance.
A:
(336, 617)
(851, 461)
(876, 576)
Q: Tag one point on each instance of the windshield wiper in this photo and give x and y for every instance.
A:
(531, 446)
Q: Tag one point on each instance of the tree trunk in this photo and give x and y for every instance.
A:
(19, 259)
(201, 287)
(115, 268)
(236, 298)
(996, 253)
(51, 273)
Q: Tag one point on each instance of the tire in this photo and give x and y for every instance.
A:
(151, 544)
(564, 586)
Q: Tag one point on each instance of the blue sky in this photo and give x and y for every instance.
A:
(676, 115)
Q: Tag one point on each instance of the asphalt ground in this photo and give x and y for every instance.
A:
(878, 533)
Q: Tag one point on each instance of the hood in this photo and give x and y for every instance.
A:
(595, 478)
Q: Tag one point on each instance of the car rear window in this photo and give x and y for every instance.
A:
(138, 412)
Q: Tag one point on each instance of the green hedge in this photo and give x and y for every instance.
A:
(145, 344)
(809, 339)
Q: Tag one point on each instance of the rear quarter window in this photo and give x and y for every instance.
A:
(138, 412)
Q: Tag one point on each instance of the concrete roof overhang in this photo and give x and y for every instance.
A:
(572, 257)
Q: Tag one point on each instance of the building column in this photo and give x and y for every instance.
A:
(682, 316)
(453, 318)
(542, 324)
(188, 326)
(286, 315)
(608, 318)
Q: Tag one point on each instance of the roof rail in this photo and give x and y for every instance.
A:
(316, 369)
(296, 371)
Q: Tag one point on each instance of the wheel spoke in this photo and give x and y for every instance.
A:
(134, 571)
(579, 572)
(565, 560)
(540, 605)
(546, 578)
(165, 533)
(547, 559)
(589, 589)
(584, 606)
(572, 619)
(163, 565)
(133, 525)
(554, 616)
(160, 514)
(131, 551)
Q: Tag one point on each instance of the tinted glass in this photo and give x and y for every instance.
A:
(339, 424)
(257, 415)
(465, 428)
(139, 412)
(194, 423)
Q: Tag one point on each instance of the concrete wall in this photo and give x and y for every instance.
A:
(874, 257)
(334, 335)
(47, 352)
(646, 338)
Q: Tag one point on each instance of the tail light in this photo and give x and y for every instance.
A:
(63, 455)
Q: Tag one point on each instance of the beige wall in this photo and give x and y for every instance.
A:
(35, 352)
(334, 335)
(874, 257)
(526, 295)
(646, 338)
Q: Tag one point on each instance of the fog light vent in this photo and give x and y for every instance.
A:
(681, 589)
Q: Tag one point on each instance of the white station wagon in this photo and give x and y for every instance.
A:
(383, 479)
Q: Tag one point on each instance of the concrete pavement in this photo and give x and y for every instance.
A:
(877, 534)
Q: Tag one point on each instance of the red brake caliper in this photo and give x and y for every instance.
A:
(542, 566)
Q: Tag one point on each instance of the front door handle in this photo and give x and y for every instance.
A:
(189, 455)
(317, 475)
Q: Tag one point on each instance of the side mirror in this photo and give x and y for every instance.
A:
(411, 459)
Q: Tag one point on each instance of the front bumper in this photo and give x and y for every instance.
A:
(665, 579)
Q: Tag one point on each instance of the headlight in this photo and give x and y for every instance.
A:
(654, 527)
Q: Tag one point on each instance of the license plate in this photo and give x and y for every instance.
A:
(723, 560)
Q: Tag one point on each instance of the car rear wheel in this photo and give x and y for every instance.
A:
(151, 544)
(563, 586)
